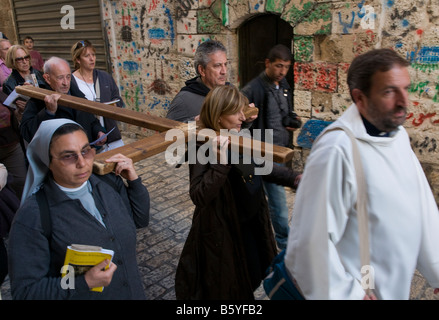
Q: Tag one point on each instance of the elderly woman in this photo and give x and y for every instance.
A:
(82, 209)
(19, 60)
(96, 85)
(231, 242)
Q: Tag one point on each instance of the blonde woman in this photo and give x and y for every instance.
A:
(231, 242)
(95, 85)
(20, 61)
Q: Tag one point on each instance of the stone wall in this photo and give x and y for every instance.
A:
(7, 21)
(152, 43)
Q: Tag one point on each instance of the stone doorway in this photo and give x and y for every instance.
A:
(256, 37)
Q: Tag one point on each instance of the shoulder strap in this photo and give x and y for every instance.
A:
(46, 221)
(105, 178)
(361, 205)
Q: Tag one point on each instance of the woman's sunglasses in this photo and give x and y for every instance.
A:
(21, 59)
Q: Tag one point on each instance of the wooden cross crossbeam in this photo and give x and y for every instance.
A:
(156, 143)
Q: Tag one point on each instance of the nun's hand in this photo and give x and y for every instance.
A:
(124, 167)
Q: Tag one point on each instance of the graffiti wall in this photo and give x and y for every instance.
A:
(152, 43)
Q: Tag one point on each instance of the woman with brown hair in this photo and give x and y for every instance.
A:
(231, 241)
(95, 85)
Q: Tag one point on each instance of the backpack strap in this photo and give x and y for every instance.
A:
(361, 204)
(46, 220)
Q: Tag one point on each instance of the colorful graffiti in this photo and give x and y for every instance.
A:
(316, 76)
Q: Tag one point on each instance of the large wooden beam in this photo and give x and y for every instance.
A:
(156, 143)
(124, 115)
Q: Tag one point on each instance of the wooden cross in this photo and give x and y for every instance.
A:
(154, 144)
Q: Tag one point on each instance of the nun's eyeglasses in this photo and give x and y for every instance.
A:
(72, 157)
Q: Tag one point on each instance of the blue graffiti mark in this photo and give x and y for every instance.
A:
(154, 104)
(398, 45)
(426, 55)
(361, 13)
(309, 132)
(257, 6)
(346, 25)
(405, 23)
(390, 3)
(130, 66)
(171, 25)
(156, 34)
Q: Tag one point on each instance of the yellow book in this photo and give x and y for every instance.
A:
(84, 257)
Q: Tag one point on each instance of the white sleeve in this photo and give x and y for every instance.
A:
(3, 176)
(428, 260)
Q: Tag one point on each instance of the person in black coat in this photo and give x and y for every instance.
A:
(231, 241)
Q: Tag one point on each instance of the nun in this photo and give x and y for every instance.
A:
(64, 203)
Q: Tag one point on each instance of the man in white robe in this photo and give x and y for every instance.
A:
(323, 253)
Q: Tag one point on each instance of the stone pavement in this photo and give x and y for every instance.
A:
(160, 244)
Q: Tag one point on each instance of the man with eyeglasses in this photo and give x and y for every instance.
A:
(4, 70)
(82, 208)
(271, 93)
(57, 74)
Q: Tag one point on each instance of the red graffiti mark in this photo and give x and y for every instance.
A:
(316, 76)
(419, 32)
(326, 79)
(153, 5)
(303, 76)
(422, 117)
(371, 34)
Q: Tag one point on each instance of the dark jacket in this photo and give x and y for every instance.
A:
(231, 242)
(256, 92)
(9, 132)
(35, 113)
(108, 92)
(187, 104)
(35, 263)
(15, 79)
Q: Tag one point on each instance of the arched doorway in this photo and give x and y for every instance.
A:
(256, 37)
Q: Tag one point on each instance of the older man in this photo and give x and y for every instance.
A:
(57, 74)
(323, 252)
(211, 67)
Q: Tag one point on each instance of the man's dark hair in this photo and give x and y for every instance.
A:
(281, 52)
(364, 66)
(204, 50)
